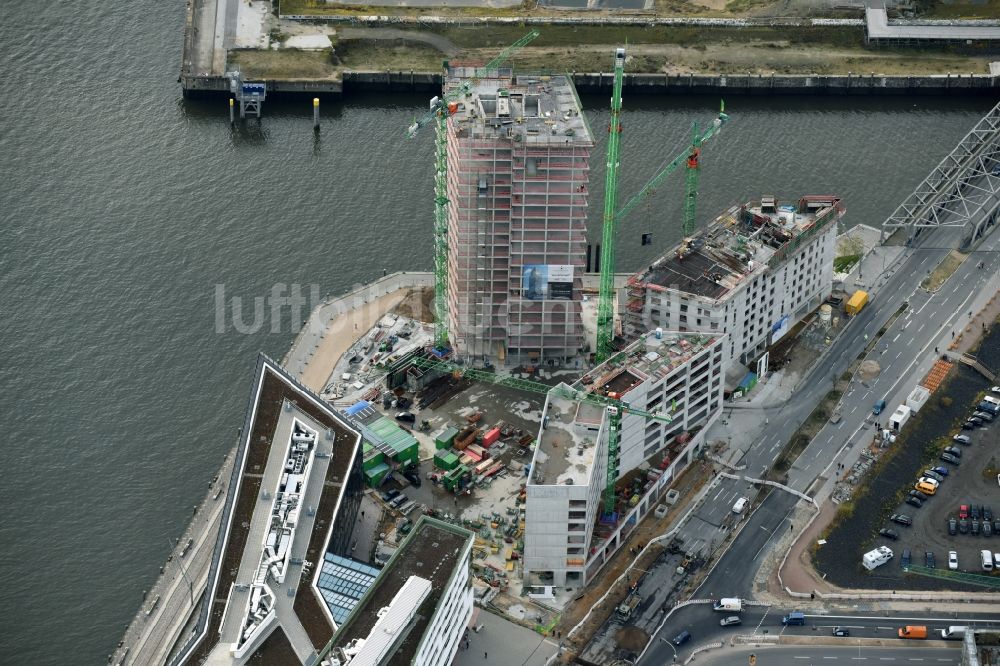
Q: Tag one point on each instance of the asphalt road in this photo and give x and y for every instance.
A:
(800, 655)
(929, 317)
(703, 625)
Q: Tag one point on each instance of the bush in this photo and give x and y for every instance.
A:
(845, 263)
(945, 402)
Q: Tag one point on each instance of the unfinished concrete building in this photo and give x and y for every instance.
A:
(566, 540)
(518, 170)
(753, 274)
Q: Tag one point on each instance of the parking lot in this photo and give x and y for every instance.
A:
(856, 532)
(966, 484)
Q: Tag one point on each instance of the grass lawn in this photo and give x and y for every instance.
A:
(285, 64)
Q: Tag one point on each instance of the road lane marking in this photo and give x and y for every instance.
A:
(897, 337)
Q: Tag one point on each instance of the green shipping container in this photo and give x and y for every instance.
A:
(372, 457)
(374, 476)
(444, 438)
(445, 459)
(410, 454)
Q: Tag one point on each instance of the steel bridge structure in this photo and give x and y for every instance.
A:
(963, 190)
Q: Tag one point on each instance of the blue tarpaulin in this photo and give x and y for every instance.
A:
(357, 407)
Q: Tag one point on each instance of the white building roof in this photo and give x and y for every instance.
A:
(393, 623)
(879, 28)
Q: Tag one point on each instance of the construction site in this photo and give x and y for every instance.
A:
(548, 426)
(544, 431)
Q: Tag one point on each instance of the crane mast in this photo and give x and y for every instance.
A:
(605, 303)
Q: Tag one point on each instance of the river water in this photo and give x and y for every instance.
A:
(124, 208)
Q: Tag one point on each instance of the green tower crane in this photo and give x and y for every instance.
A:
(606, 294)
(439, 114)
(615, 409)
(684, 158)
(605, 305)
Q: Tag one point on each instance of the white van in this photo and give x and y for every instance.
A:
(992, 399)
(986, 558)
(953, 633)
(741, 504)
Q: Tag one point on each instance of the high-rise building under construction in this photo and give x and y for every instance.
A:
(518, 170)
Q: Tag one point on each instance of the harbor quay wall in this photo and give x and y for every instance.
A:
(639, 83)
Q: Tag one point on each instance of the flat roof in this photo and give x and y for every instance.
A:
(878, 27)
(533, 109)
(654, 355)
(738, 245)
(564, 452)
(273, 389)
(431, 552)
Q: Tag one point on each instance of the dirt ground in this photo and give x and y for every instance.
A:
(417, 304)
(940, 275)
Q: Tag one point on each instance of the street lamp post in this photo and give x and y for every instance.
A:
(671, 647)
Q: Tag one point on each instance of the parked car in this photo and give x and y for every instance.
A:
(915, 502)
(953, 451)
(995, 389)
(923, 497)
(986, 417)
(841, 631)
(943, 471)
(952, 526)
(987, 528)
(730, 621)
(904, 561)
(888, 534)
(976, 421)
(962, 439)
(974, 512)
(963, 510)
(929, 481)
(681, 638)
(390, 495)
(974, 527)
(968, 426)
(987, 513)
(413, 476)
(950, 459)
(996, 526)
(929, 559)
(934, 475)
(901, 519)
(406, 417)
(963, 526)
(953, 560)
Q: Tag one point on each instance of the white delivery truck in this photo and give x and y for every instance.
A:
(876, 558)
(728, 605)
